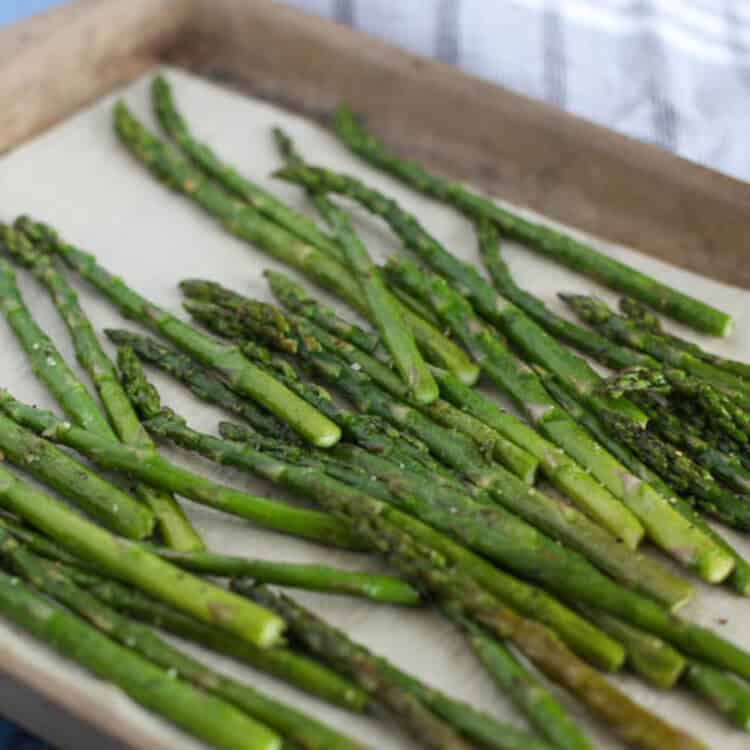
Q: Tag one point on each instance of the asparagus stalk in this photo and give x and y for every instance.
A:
(519, 497)
(249, 225)
(628, 332)
(156, 471)
(385, 312)
(485, 529)
(530, 696)
(504, 450)
(720, 409)
(369, 432)
(727, 467)
(264, 202)
(639, 313)
(241, 374)
(584, 339)
(315, 484)
(295, 298)
(494, 532)
(291, 724)
(379, 588)
(726, 694)
(407, 698)
(465, 597)
(102, 500)
(173, 524)
(648, 656)
(681, 472)
(740, 577)
(322, 204)
(238, 322)
(665, 526)
(297, 670)
(201, 381)
(527, 335)
(45, 359)
(127, 562)
(201, 714)
(551, 243)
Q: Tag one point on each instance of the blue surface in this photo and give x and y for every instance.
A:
(15, 10)
(11, 736)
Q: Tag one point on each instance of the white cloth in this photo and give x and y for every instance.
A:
(671, 72)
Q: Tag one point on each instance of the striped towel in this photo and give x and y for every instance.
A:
(671, 72)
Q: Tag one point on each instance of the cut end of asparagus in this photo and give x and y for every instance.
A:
(327, 438)
(715, 565)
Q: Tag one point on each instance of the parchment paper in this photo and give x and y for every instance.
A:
(80, 179)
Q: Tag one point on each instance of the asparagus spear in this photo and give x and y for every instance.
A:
(297, 670)
(385, 312)
(46, 361)
(315, 484)
(173, 524)
(490, 529)
(369, 432)
(248, 224)
(291, 724)
(496, 533)
(241, 374)
(527, 335)
(728, 695)
(641, 645)
(261, 200)
(635, 311)
(202, 715)
(584, 339)
(718, 408)
(202, 382)
(155, 470)
(295, 298)
(667, 528)
(532, 698)
(681, 472)
(740, 577)
(326, 208)
(410, 700)
(102, 500)
(504, 450)
(379, 588)
(727, 467)
(597, 313)
(127, 562)
(457, 453)
(648, 656)
(239, 322)
(465, 597)
(561, 247)
(322, 203)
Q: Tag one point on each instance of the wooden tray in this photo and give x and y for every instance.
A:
(523, 151)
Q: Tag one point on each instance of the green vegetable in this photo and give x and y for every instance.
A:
(202, 715)
(153, 469)
(241, 375)
(248, 224)
(173, 523)
(554, 244)
(127, 562)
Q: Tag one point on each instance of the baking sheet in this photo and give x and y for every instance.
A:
(77, 177)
